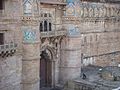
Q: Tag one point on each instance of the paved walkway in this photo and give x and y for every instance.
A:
(47, 88)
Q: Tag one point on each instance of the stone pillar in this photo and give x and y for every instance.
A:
(31, 45)
(31, 58)
(70, 65)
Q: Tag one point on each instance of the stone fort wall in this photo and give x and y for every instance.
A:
(100, 43)
(98, 24)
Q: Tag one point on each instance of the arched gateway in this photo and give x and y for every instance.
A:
(47, 68)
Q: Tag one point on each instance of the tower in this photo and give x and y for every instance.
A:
(70, 66)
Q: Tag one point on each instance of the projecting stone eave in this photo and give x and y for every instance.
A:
(52, 2)
(103, 1)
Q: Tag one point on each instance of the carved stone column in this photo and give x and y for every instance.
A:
(31, 58)
(31, 46)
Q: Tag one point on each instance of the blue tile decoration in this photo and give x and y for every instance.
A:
(29, 36)
(73, 31)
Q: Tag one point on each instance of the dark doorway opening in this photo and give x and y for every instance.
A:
(1, 4)
(45, 70)
(1, 38)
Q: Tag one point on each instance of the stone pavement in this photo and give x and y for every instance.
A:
(45, 88)
(48, 88)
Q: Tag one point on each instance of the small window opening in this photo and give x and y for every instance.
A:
(1, 38)
(50, 29)
(45, 25)
(41, 27)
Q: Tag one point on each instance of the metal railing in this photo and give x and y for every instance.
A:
(53, 33)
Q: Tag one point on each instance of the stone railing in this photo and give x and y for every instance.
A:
(53, 33)
(7, 49)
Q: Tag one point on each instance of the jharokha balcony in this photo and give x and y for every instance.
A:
(53, 33)
(8, 50)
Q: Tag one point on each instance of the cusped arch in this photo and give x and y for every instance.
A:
(51, 50)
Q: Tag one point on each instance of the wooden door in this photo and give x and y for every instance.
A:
(49, 73)
(43, 73)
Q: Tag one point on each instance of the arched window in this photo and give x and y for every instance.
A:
(45, 25)
(50, 29)
(45, 15)
(41, 27)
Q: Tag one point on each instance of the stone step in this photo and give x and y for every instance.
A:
(48, 88)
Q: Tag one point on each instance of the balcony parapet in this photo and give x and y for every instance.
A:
(53, 33)
(8, 50)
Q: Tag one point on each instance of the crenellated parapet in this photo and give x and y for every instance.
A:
(92, 11)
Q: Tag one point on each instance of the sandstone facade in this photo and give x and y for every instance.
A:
(72, 34)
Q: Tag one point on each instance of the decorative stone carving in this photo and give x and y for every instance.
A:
(70, 9)
(117, 12)
(27, 7)
(96, 12)
(112, 10)
(77, 9)
(73, 31)
(105, 12)
(101, 12)
(8, 50)
(85, 12)
(91, 12)
(81, 11)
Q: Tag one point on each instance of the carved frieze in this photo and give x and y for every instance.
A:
(92, 10)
